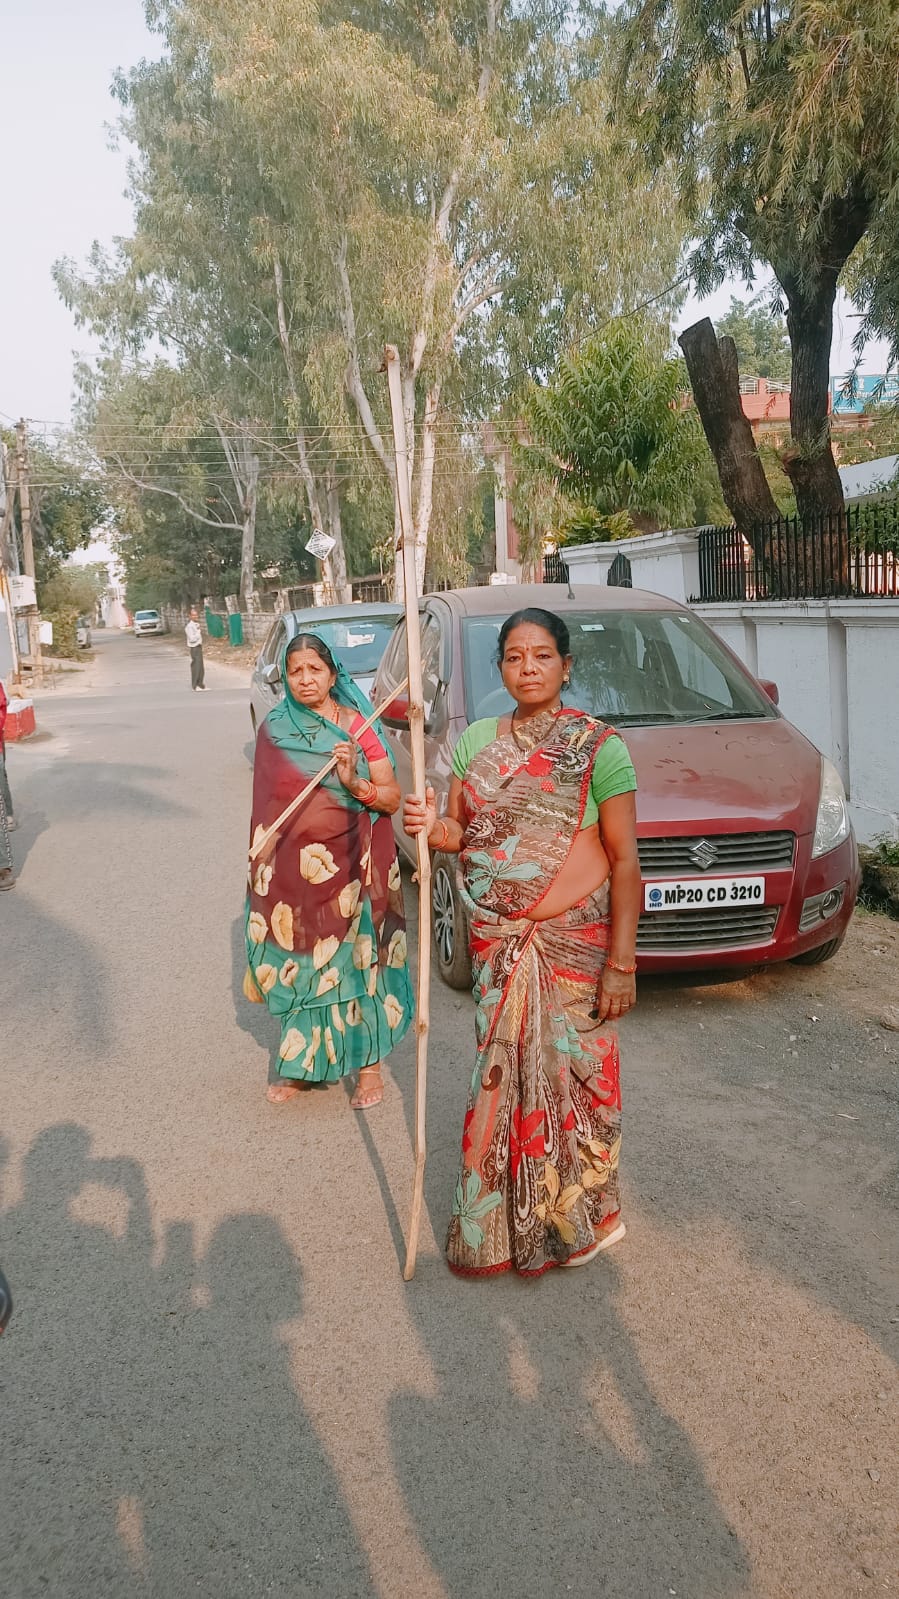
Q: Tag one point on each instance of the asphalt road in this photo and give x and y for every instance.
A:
(216, 1382)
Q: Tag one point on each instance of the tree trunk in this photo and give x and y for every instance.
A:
(715, 379)
(343, 589)
(248, 530)
(808, 458)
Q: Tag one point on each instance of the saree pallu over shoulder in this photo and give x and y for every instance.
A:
(538, 1184)
(325, 925)
(523, 809)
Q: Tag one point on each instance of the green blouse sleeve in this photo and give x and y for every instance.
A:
(476, 737)
(613, 773)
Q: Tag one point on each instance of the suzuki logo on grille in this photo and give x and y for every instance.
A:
(703, 854)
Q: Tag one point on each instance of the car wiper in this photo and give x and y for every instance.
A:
(648, 719)
(729, 716)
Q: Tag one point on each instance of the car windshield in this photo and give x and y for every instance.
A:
(146, 616)
(633, 668)
(358, 642)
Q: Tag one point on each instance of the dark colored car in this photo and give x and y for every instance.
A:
(357, 636)
(745, 841)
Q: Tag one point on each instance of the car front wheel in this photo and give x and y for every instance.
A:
(450, 927)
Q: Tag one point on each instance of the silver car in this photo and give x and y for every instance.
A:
(356, 635)
(147, 622)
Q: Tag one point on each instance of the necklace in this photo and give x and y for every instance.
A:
(516, 740)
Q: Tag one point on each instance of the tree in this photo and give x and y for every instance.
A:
(432, 189)
(613, 437)
(783, 123)
(760, 338)
(68, 502)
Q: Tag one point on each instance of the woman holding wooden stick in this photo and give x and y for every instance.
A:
(325, 929)
(541, 812)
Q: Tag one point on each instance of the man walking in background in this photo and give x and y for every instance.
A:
(195, 645)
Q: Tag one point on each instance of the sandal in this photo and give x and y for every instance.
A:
(7, 879)
(278, 1093)
(369, 1088)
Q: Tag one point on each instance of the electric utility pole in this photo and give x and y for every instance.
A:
(32, 615)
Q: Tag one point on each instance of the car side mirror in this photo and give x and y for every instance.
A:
(271, 675)
(771, 689)
(396, 714)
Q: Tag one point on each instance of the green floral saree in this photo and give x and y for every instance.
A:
(325, 929)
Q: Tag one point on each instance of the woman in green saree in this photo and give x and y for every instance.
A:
(325, 929)
(541, 813)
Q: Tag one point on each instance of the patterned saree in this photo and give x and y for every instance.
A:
(538, 1184)
(325, 930)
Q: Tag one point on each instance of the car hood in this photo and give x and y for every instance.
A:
(724, 775)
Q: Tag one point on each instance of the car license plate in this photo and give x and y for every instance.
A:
(691, 893)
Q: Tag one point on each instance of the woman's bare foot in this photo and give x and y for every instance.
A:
(283, 1090)
(369, 1088)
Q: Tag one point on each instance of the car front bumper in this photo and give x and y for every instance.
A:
(776, 932)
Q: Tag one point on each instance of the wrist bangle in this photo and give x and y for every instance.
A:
(443, 837)
(626, 971)
(369, 792)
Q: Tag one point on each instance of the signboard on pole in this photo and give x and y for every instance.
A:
(320, 545)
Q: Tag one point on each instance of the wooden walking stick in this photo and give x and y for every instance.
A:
(417, 730)
(313, 782)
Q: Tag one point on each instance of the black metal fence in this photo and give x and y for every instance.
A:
(854, 552)
(554, 569)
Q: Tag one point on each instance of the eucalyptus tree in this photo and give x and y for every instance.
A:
(782, 120)
(442, 195)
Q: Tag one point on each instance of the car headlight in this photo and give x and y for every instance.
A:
(832, 825)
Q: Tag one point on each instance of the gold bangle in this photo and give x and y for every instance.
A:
(626, 971)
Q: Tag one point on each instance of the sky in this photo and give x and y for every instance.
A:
(64, 188)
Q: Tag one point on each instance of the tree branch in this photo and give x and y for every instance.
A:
(353, 377)
(157, 488)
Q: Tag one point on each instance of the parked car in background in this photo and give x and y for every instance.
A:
(356, 635)
(147, 622)
(83, 633)
(745, 841)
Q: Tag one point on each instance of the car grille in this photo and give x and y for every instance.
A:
(722, 927)
(734, 852)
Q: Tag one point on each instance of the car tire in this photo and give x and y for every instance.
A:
(450, 926)
(817, 957)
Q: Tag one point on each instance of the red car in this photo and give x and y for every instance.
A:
(746, 846)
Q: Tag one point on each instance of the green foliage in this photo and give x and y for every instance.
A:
(760, 335)
(71, 592)
(613, 437)
(68, 502)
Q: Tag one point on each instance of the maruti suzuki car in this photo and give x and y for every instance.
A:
(746, 845)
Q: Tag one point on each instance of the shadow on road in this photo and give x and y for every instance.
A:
(74, 989)
(146, 1470)
(546, 1463)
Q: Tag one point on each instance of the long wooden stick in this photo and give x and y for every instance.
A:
(417, 730)
(329, 766)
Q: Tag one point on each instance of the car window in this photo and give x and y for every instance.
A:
(270, 654)
(146, 616)
(396, 661)
(630, 667)
(357, 642)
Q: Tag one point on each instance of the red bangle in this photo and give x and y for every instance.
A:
(369, 793)
(626, 971)
(444, 837)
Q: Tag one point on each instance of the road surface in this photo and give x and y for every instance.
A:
(216, 1382)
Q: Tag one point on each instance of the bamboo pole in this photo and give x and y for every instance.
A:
(313, 782)
(417, 731)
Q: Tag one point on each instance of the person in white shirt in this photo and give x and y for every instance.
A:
(195, 645)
